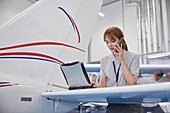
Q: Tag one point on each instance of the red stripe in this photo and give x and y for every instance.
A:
(8, 85)
(40, 43)
(31, 54)
(76, 29)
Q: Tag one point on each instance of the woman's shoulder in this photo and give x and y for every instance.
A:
(105, 60)
(130, 56)
(128, 53)
(107, 57)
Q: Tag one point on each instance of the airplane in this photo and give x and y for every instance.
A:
(34, 44)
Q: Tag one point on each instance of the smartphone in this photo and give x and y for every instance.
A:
(120, 42)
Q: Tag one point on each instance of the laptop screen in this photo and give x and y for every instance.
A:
(75, 74)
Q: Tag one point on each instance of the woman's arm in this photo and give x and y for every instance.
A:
(130, 78)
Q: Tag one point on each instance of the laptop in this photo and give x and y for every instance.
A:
(76, 75)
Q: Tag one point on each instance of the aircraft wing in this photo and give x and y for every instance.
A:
(150, 93)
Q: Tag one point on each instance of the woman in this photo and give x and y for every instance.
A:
(120, 68)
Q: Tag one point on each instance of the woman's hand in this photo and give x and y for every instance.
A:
(119, 53)
(102, 83)
(93, 84)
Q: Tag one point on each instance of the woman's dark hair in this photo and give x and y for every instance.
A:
(115, 31)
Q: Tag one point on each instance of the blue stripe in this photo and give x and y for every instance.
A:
(116, 73)
(32, 58)
(4, 82)
(67, 16)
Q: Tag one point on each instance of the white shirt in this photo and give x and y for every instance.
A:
(107, 70)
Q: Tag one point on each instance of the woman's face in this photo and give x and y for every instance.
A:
(111, 43)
